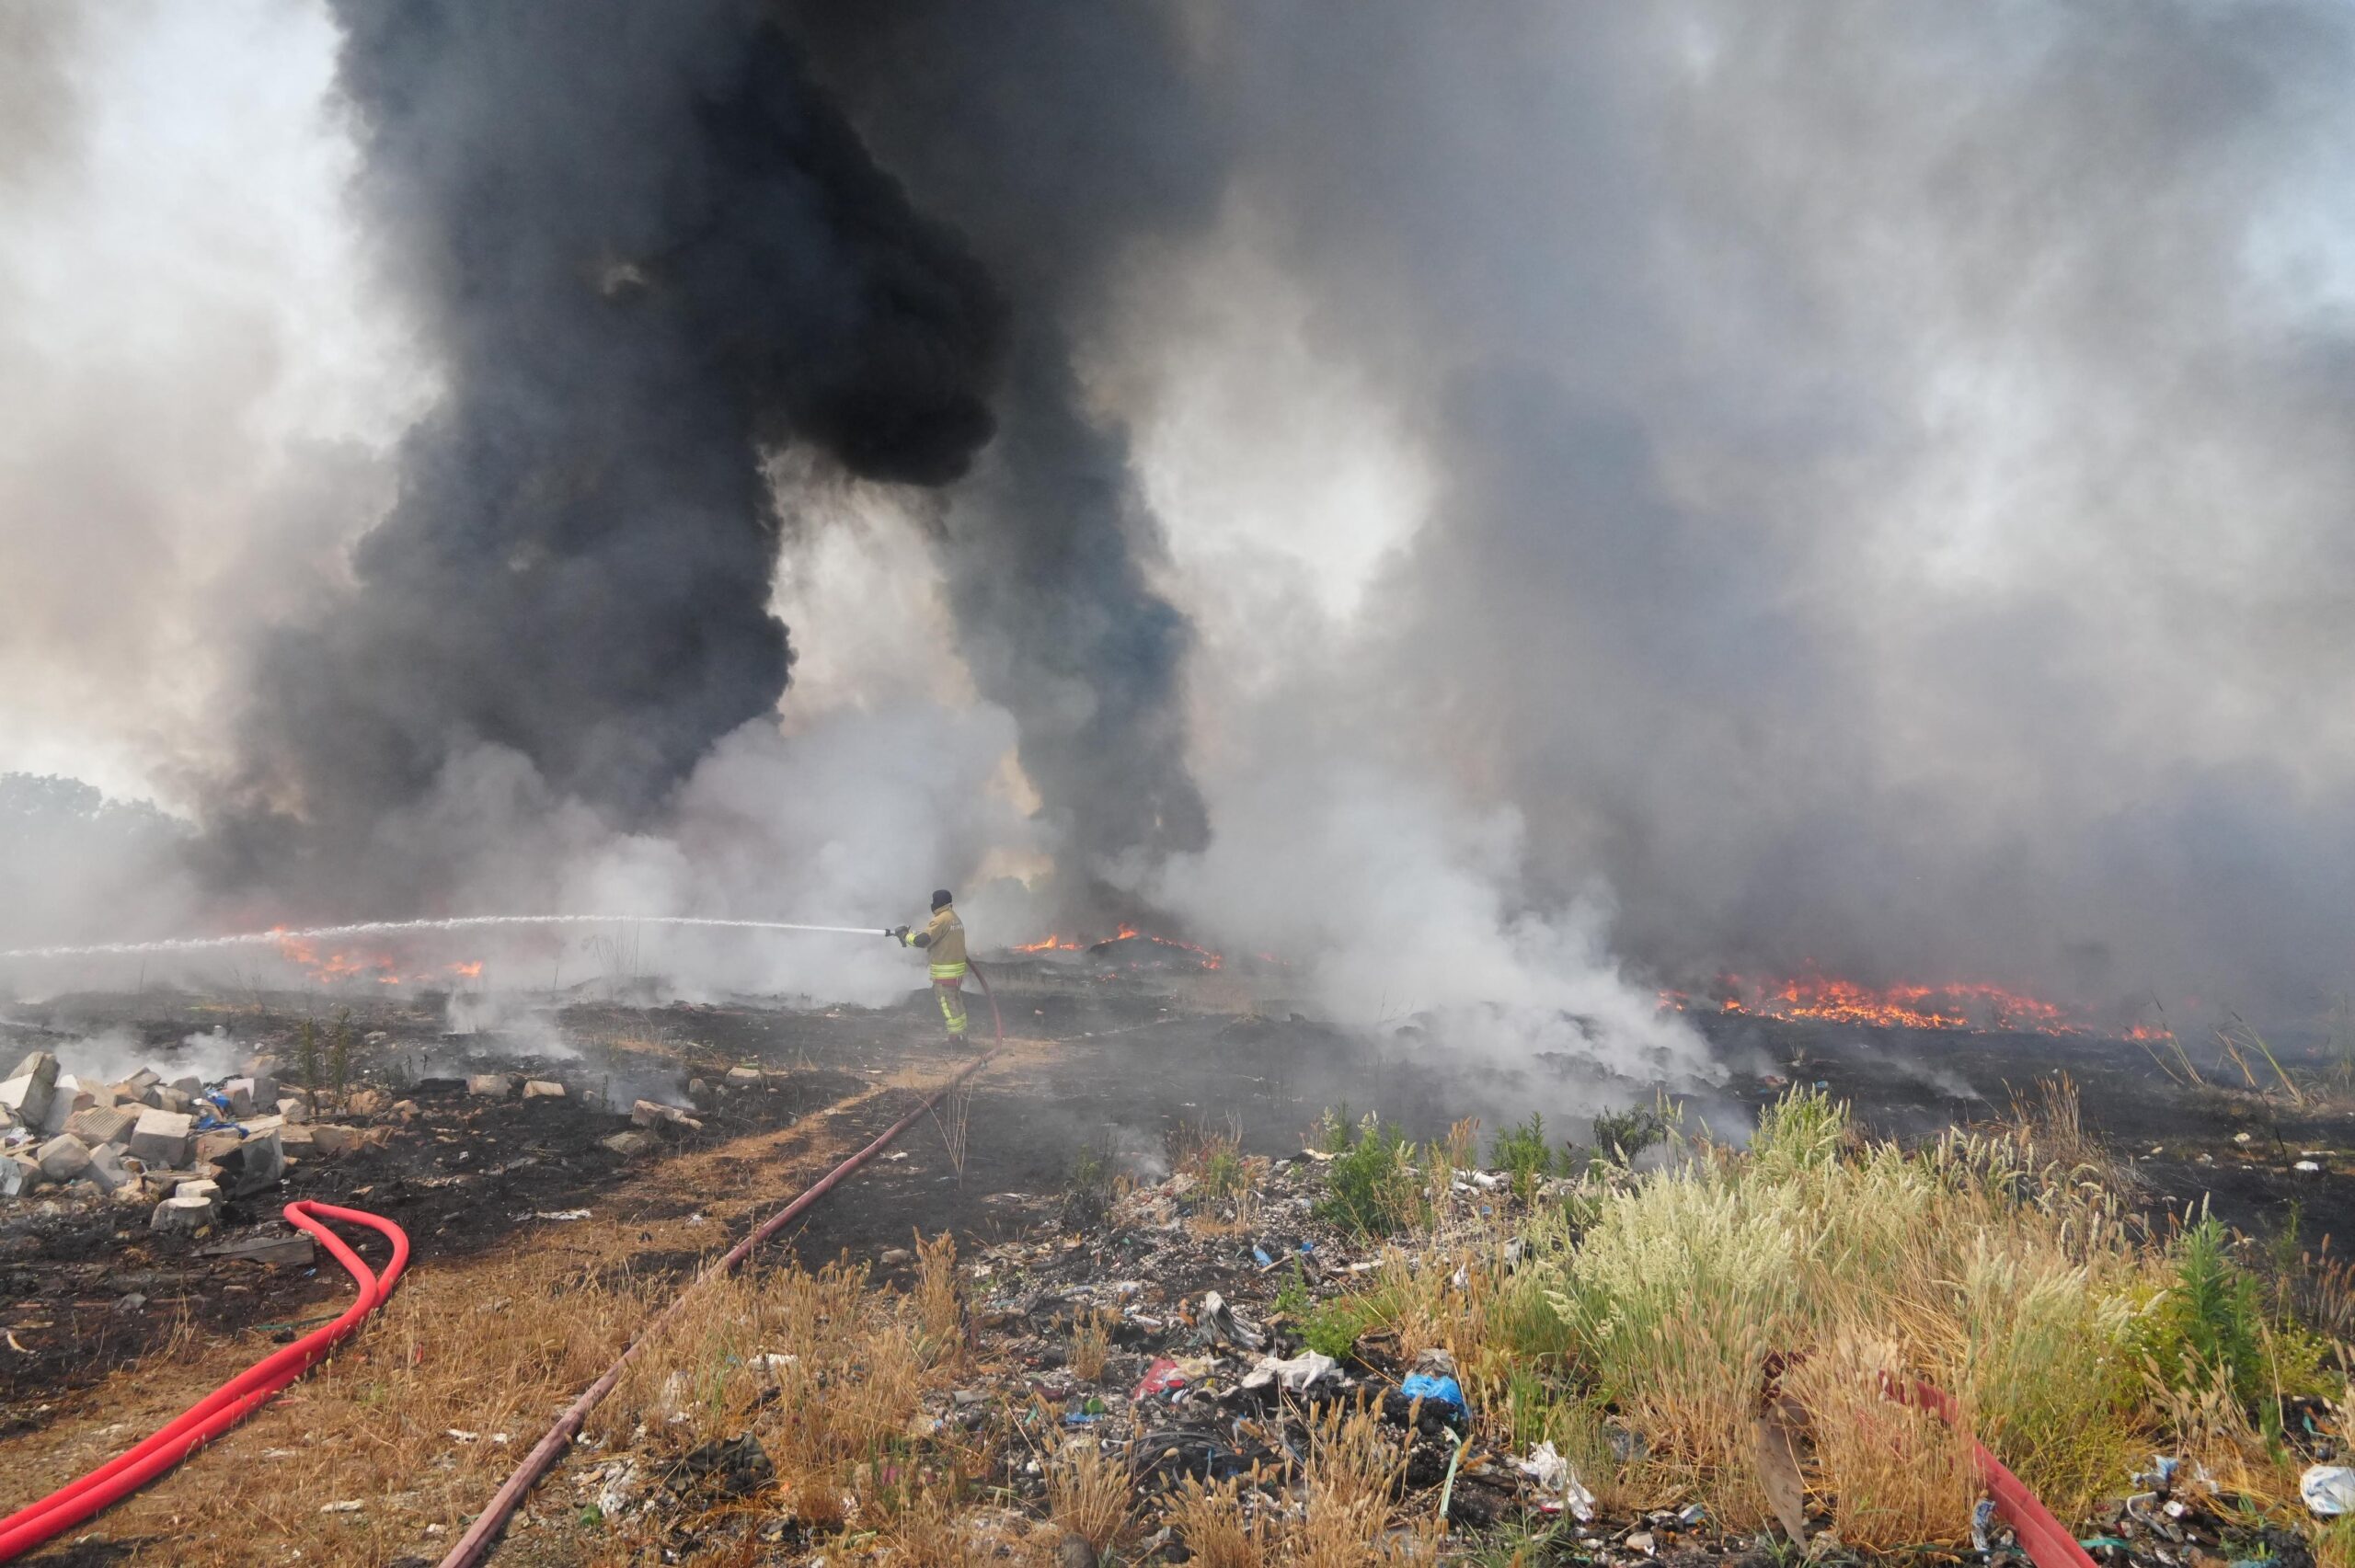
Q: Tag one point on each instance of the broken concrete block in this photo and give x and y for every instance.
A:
(490, 1085)
(190, 1085)
(19, 1176)
(543, 1089)
(629, 1145)
(257, 1125)
(39, 1065)
(63, 1101)
(258, 1093)
(296, 1110)
(745, 1077)
(25, 1099)
(366, 1103)
(63, 1157)
(212, 1145)
(646, 1114)
(102, 1124)
(203, 1187)
(146, 1078)
(329, 1138)
(257, 1162)
(297, 1139)
(407, 1110)
(167, 1097)
(160, 1139)
(107, 1170)
(184, 1215)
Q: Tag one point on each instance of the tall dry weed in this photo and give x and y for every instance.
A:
(936, 1306)
(1894, 1474)
(1353, 1468)
(1091, 1345)
(1218, 1529)
(1089, 1493)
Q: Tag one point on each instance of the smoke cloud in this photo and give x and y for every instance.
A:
(1509, 505)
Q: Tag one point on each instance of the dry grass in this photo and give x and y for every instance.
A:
(1218, 1528)
(490, 1352)
(422, 1414)
(1354, 1465)
(1344, 1520)
(1089, 1493)
(937, 1303)
(1894, 1474)
(1091, 1345)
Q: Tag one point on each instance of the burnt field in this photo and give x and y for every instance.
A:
(1109, 1085)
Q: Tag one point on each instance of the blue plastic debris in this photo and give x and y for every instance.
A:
(1260, 1255)
(1982, 1524)
(1308, 1247)
(1444, 1393)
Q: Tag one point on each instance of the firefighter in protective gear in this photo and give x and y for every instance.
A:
(943, 939)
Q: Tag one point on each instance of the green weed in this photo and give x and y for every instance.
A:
(1373, 1188)
(1524, 1155)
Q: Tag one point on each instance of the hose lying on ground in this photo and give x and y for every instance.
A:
(225, 1406)
(2043, 1536)
(476, 1544)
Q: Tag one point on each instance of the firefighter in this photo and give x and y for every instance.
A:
(943, 938)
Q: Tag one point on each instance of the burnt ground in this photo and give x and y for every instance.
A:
(1110, 1070)
(85, 1287)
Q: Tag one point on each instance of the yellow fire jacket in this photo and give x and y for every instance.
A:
(943, 939)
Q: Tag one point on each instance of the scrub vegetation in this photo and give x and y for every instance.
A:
(1737, 1321)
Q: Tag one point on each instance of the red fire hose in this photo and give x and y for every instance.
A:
(225, 1406)
(2047, 1542)
(476, 1544)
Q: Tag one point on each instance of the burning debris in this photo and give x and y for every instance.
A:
(1963, 1006)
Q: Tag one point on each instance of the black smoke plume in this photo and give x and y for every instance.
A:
(649, 253)
(1063, 140)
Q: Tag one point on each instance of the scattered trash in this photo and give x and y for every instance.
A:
(738, 1468)
(1558, 1484)
(1444, 1394)
(1300, 1374)
(1223, 1323)
(349, 1505)
(2329, 1490)
(561, 1216)
(1161, 1378)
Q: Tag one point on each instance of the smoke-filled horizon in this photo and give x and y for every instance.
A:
(1495, 499)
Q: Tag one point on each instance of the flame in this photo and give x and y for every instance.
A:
(1056, 943)
(1956, 1005)
(383, 968)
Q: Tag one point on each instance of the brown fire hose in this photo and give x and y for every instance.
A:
(475, 1544)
